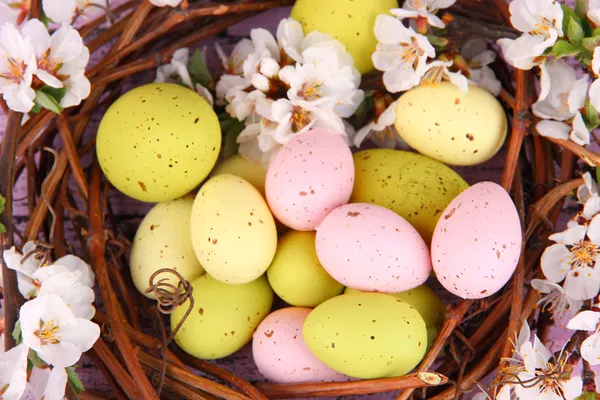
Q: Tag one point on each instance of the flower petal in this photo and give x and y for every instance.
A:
(580, 133)
(593, 231)
(590, 349)
(582, 283)
(594, 92)
(570, 236)
(553, 129)
(38, 33)
(57, 382)
(584, 321)
(59, 11)
(591, 207)
(555, 262)
(48, 78)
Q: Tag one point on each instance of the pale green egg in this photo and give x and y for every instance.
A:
(223, 317)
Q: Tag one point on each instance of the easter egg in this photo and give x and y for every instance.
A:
(233, 232)
(280, 353)
(477, 242)
(223, 317)
(448, 125)
(296, 274)
(370, 248)
(163, 241)
(427, 304)
(157, 142)
(240, 166)
(309, 177)
(415, 187)
(349, 21)
(366, 335)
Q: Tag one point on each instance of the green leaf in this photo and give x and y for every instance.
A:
(231, 129)
(562, 48)
(364, 110)
(597, 174)
(57, 93)
(2, 203)
(35, 360)
(596, 32)
(574, 31)
(568, 12)
(75, 380)
(591, 114)
(438, 42)
(581, 7)
(16, 334)
(46, 101)
(199, 70)
(590, 43)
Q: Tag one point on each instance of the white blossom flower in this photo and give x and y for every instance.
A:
(401, 54)
(14, 11)
(17, 66)
(590, 347)
(72, 291)
(562, 94)
(290, 37)
(554, 300)
(177, 72)
(541, 24)
(242, 104)
(233, 64)
(61, 60)
(577, 132)
(573, 259)
(67, 264)
(593, 12)
(423, 9)
(26, 265)
(594, 92)
(588, 189)
(164, 3)
(65, 11)
(13, 372)
(382, 130)
(534, 373)
(437, 71)
(475, 52)
(49, 327)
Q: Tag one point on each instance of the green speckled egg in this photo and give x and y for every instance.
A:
(157, 142)
(163, 241)
(224, 316)
(296, 274)
(414, 186)
(366, 335)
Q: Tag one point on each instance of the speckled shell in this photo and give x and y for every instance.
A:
(163, 241)
(309, 177)
(245, 169)
(366, 335)
(477, 242)
(157, 142)
(233, 231)
(282, 356)
(370, 248)
(223, 317)
(414, 186)
(442, 122)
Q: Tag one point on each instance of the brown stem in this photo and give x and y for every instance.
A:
(72, 156)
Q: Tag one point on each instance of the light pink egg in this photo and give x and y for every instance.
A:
(477, 242)
(370, 248)
(281, 354)
(309, 177)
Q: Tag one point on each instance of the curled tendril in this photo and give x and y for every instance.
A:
(169, 298)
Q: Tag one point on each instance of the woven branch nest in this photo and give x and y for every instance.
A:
(132, 357)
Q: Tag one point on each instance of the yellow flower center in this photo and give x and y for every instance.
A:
(584, 255)
(433, 76)
(16, 70)
(312, 91)
(415, 4)
(48, 332)
(51, 66)
(542, 28)
(300, 119)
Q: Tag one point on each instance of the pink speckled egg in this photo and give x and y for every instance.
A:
(370, 248)
(309, 177)
(281, 354)
(477, 242)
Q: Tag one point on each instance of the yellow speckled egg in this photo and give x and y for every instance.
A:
(163, 241)
(239, 165)
(413, 186)
(233, 231)
(456, 128)
(296, 274)
(427, 303)
(349, 21)
(223, 318)
(157, 142)
(366, 335)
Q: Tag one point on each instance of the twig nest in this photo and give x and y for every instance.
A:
(367, 335)
(296, 274)
(223, 318)
(448, 125)
(415, 187)
(163, 241)
(281, 354)
(477, 242)
(349, 21)
(233, 232)
(157, 142)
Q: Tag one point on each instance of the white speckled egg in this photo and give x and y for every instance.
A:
(163, 241)
(477, 242)
(281, 354)
(309, 177)
(370, 248)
